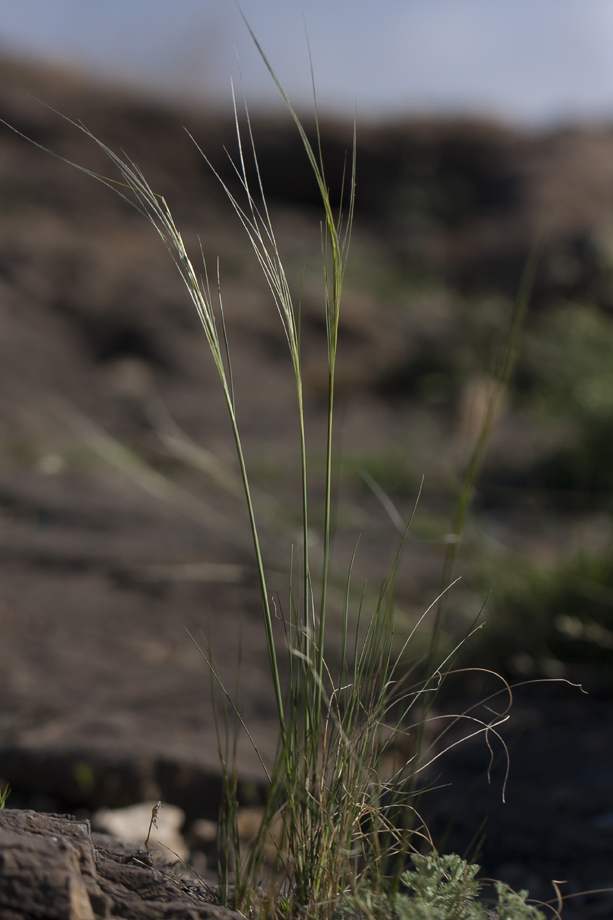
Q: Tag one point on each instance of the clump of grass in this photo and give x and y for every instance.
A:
(340, 822)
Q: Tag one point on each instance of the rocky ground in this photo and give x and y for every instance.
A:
(121, 524)
(52, 866)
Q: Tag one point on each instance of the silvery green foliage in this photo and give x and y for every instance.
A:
(437, 888)
(445, 883)
(512, 905)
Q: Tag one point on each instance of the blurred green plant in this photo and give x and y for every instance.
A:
(545, 621)
(567, 378)
(390, 468)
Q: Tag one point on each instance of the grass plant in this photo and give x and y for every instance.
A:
(340, 823)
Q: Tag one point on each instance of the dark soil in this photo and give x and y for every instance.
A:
(106, 560)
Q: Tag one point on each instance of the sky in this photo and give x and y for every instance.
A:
(532, 62)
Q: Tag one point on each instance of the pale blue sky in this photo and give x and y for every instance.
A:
(531, 61)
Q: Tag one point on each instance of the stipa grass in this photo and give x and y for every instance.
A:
(341, 821)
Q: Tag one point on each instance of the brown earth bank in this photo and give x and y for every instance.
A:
(122, 528)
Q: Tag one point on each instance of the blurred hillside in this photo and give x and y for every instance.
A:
(101, 359)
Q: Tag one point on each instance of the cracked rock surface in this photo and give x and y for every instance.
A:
(50, 868)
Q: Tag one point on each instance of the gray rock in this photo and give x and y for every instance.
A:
(50, 869)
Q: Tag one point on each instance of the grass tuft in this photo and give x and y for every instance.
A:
(341, 821)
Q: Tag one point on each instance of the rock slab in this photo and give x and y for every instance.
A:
(50, 869)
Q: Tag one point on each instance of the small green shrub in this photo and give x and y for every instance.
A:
(438, 888)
